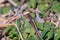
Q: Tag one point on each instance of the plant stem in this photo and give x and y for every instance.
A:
(18, 31)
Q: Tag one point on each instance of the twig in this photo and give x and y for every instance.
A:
(31, 21)
(16, 15)
(13, 3)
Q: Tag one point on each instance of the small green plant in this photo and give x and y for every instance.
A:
(37, 20)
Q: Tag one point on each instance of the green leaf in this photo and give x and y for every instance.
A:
(32, 31)
(27, 24)
(25, 38)
(5, 10)
(47, 26)
(13, 33)
(11, 36)
(38, 1)
(56, 7)
(33, 15)
(32, 38)
(33, 3)
(42, 7)
(48, 1)
(29, 4)
(7, 29)
(43, 14)
(15, 38)
(18, 23)
(23, 18)
(27, 30)
(25, 35)
(50, 34)
(57, 37)
(39, 25)
(44, 33)
(57, 31)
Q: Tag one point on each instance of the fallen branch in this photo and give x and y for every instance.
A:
(31, 21)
